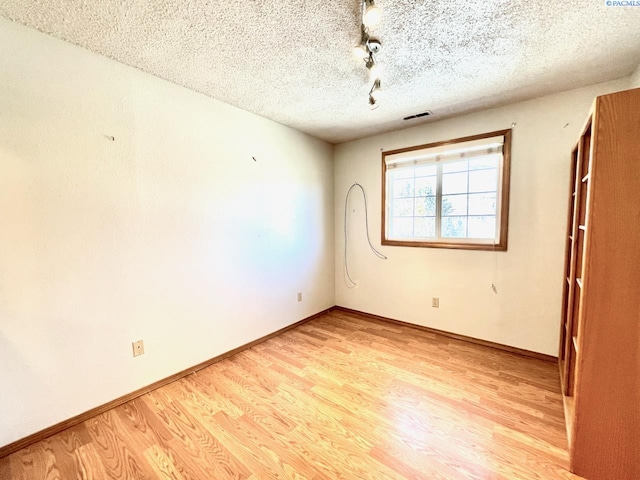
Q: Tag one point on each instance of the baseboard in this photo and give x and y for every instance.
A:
(464, 338)
(59, 427)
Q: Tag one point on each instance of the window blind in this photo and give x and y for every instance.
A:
(447, 153)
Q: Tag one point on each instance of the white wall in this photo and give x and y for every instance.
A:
(171, 233)
(526, 311)
(635, 78)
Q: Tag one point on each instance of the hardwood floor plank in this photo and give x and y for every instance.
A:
(204, 448)
(90, 465)
(120, 460)
(5, 469)
(162, 464)
(339, 397)
(36, 461)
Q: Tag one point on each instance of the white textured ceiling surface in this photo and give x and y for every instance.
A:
(291, 60)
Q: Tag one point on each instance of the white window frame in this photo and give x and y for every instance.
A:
(442, 149)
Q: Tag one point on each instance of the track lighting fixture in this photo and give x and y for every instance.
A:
(367, 44)
(369, 47)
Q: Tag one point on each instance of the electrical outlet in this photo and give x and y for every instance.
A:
(435, 302)
(138, 348)
(299, 296)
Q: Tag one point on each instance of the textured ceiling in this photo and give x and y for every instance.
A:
(291, 60)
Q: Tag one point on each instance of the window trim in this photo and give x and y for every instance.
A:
(464, 244)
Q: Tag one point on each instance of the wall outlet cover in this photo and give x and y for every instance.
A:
(138, 348)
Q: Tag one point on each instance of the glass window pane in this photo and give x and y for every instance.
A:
(455, 183)
(454, 227)
(459, 166)
(483, 180)
(425, 186)
(424, 226)
(402, 227)
(425, 206)
(426, 170)
(482, 226)
(403, 188)
(482, 204)
(490, 161)
(403, 207)
(454, 205)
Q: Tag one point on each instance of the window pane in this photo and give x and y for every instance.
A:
(482, 204)
(454, 227)
(482, 227)
(460, 166)
(425, 186)
(425, 206)
(454, 205)
(402, 227)
(403, 207)
(424, 226)
(426, 170)
(483, 180)
(490, 161)
(455, 183)
(403, 188)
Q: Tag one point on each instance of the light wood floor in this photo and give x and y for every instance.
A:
(338, 397)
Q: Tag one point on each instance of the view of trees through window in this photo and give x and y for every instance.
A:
(468, 199)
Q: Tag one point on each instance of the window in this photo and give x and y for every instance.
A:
(452, 194)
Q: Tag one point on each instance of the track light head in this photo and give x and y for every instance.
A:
(374, 45)
(360, 51)
(373, 103)
(370, 61)
(375, 72)
(372, 14)
(376, 90)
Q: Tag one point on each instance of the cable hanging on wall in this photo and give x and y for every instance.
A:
(348, 280)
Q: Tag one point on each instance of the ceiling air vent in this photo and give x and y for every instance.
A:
(418, 115)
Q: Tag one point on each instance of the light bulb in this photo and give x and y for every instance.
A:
(375, 71)
(372, 15)
(360, 51)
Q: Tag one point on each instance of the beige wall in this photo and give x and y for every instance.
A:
(635, 78)
(526, 311)
(171, 233)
